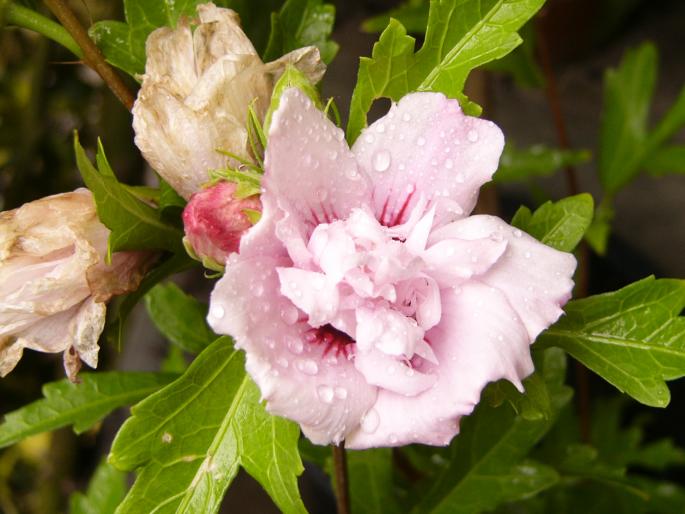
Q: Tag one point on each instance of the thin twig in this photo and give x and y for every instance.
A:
(582, 273)
(91, 53)
(342, 492)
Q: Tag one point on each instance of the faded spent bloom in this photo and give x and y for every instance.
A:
(214, 220)
(54, 282)
(371, 306)
(195, 95)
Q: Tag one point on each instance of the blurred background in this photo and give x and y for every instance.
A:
(45, 95)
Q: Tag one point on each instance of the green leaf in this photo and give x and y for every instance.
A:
(665, 160)
(520, 63)
(188, 440)
(123, 44)
(81, 405)
(370, 482)
(533, 404)
(627, 96)
(487, 464)
(561, 224)
(597, 234)
(180, 317)
(134, 224)
(460, 36)
(536, 161)
(122, 306)
(106, 490)
(413, 14)
(634, 338)
(171, 204)
(302, 23)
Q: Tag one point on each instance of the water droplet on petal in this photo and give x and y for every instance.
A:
(406, 117)
(381, 160)
(352, 174)
(282, 362)
(289, 314)
(321, 194)
(392, 439)
(295, 345)
(517, 233)
(459, 177)
(420, 141)
(380, 128)
(369, 138)
(449, 164)
(325, 393)
(472, 136)
(308, 367)
(340, 392)
(370, 421)
(527, 255)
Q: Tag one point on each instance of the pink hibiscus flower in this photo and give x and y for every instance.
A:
(371, 306)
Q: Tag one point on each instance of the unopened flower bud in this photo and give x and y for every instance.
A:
(214, 221)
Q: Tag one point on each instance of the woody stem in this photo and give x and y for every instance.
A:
(342, 492)
(91, 53)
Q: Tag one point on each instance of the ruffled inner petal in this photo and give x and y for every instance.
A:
(478, 340)
(310, 382)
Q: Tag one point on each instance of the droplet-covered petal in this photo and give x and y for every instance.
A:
(427, 146)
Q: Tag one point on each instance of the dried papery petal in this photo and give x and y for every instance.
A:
(54, 280)
(195, 95)
(366, 271)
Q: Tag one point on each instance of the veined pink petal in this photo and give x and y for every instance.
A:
(309, 168)
(426, 146)
(535, 278)
(301, 377)
(478, 340)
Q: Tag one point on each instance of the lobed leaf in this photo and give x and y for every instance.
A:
(179, 317)
(134, 225)
(106, 490)
(460, 36)
(487, 464)
(81, 405)
(561, 224)
(634, 337)
(302, 23)
(188, 440)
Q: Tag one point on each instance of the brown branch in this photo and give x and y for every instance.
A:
(342, 492)
(91, 53)
(582, 273)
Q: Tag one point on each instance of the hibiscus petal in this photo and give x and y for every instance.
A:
(312, 292)
(426, 146)
(308, 166)
(306, 382)
(478, 340)
(391, 374)
(452, 261)
(218, 34)
(536, 279)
